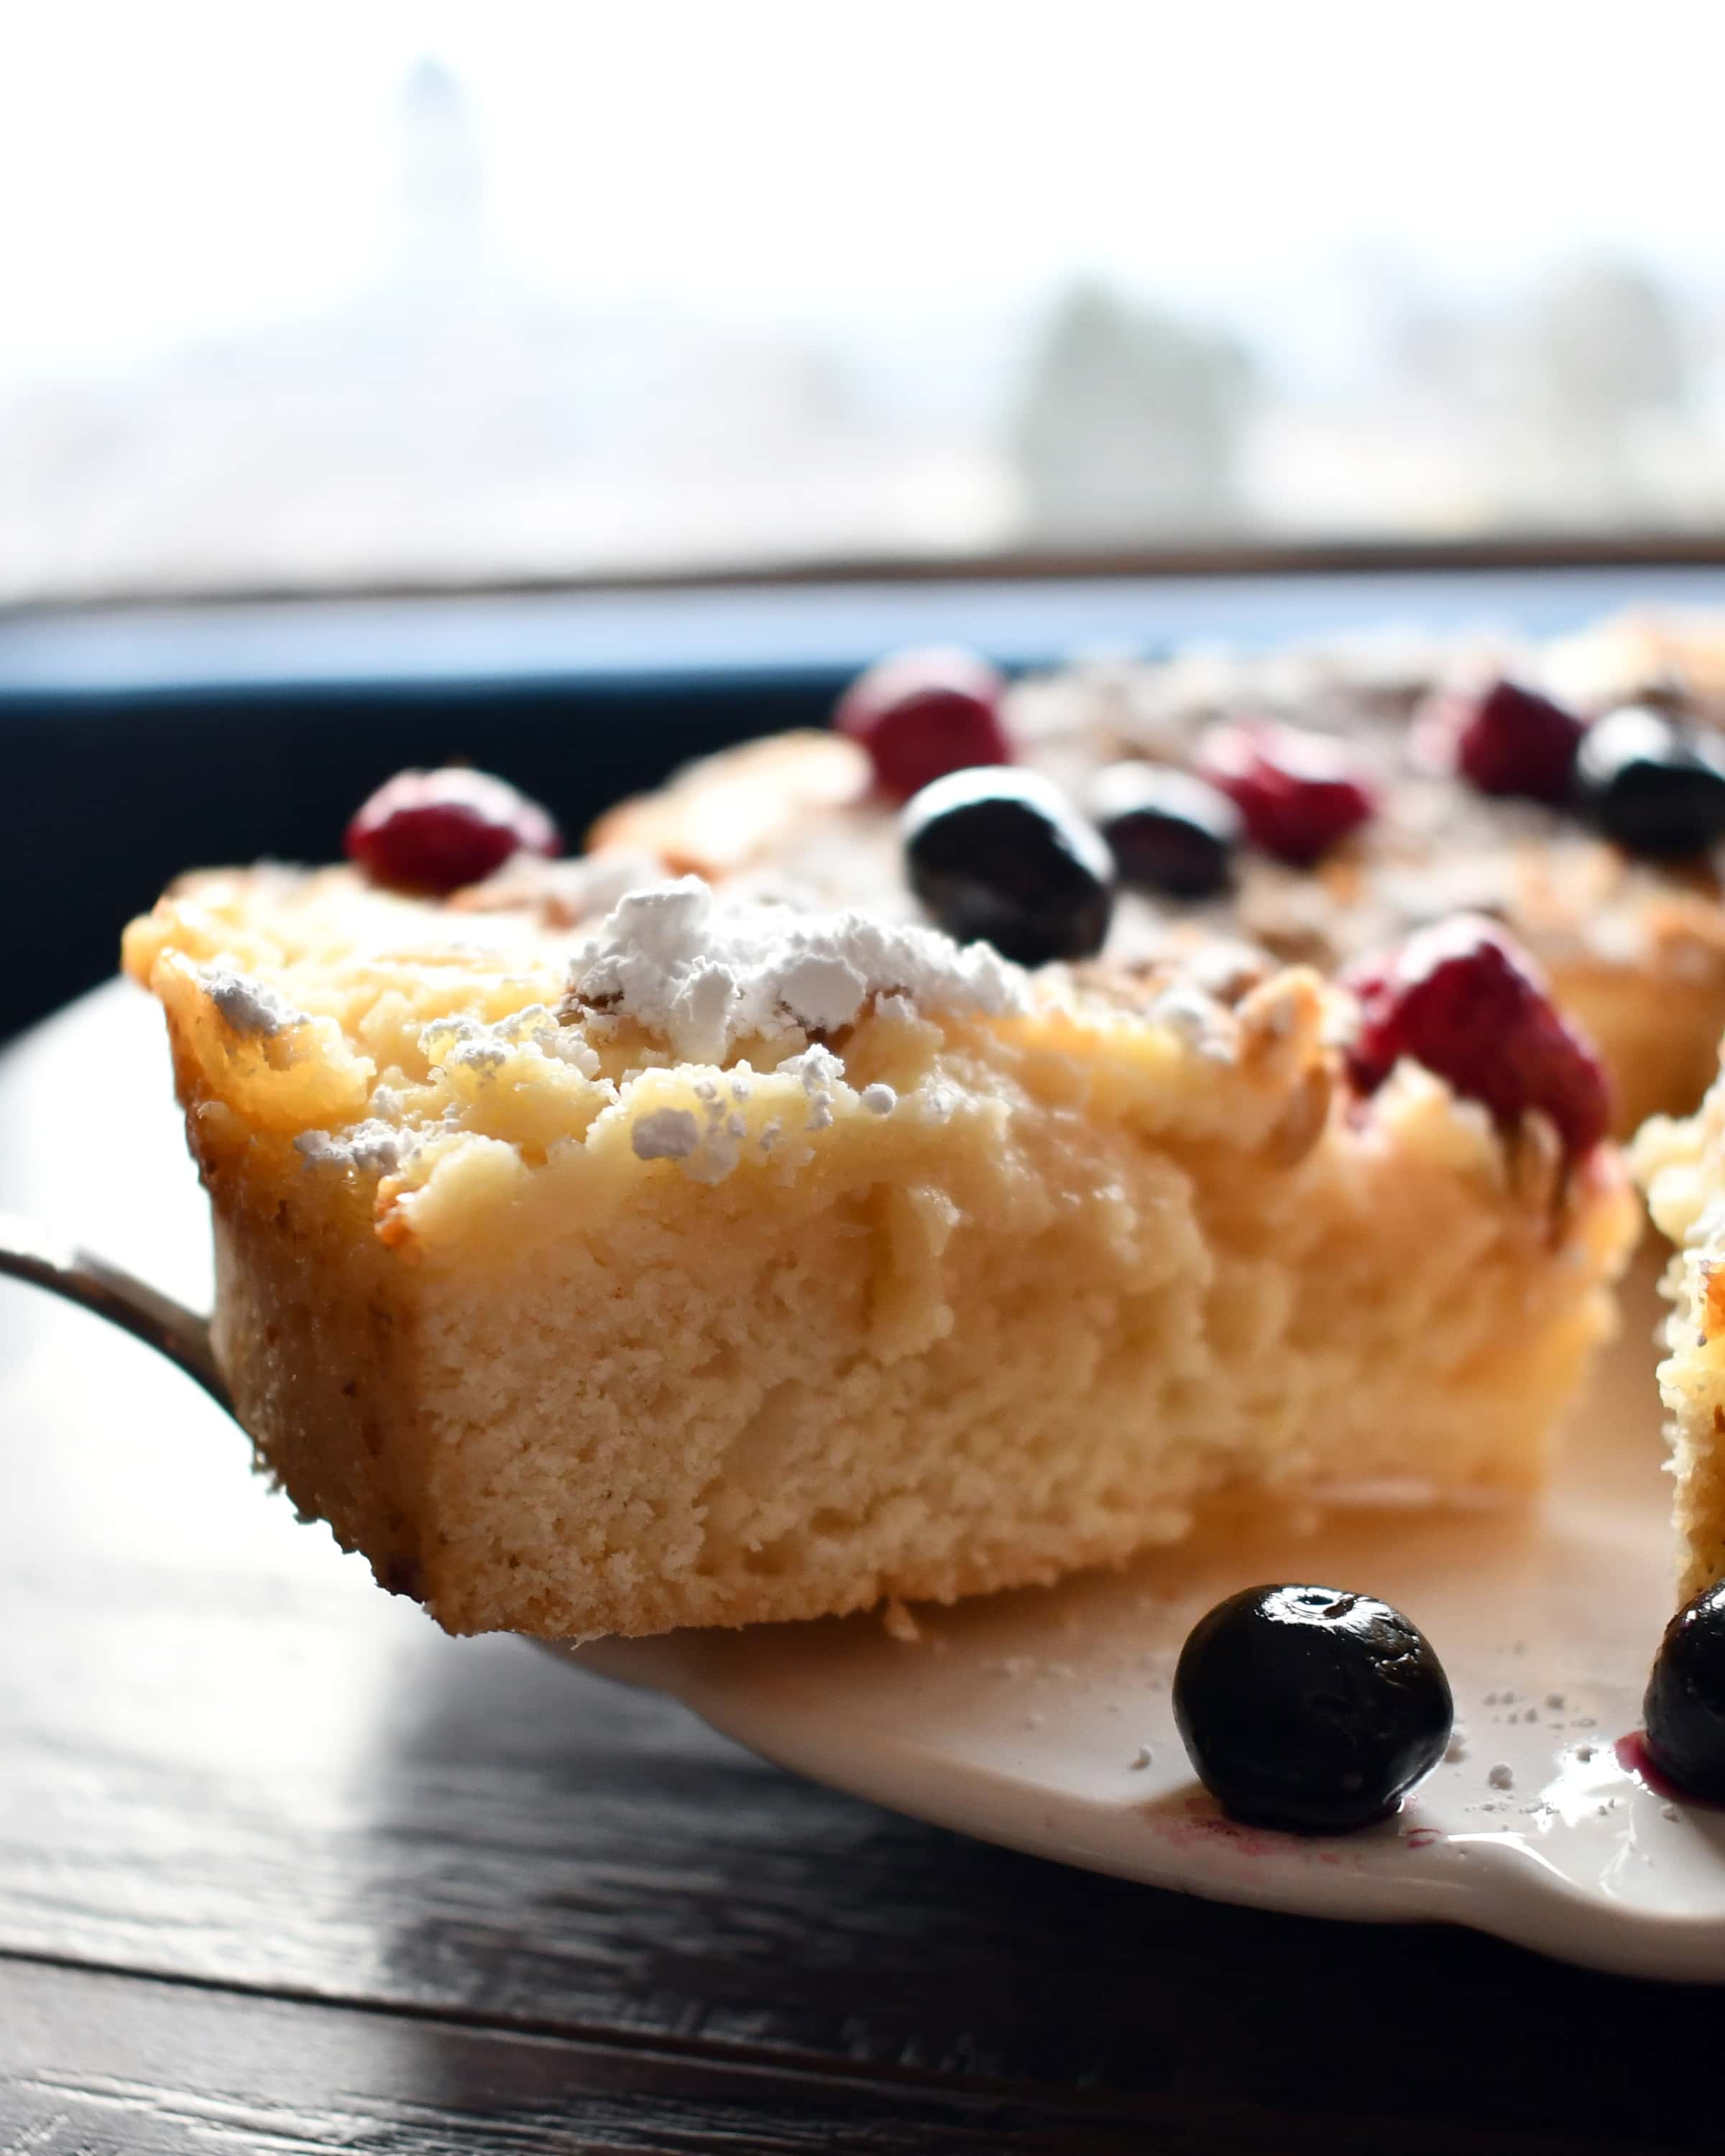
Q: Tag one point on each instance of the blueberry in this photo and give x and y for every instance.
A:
(1684, 1710)
(1167, 830)
(1000, 854)
(1652, 784)
(1309, 1709)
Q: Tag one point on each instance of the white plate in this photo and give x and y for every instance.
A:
(1023, 1718)
(1019, 1718)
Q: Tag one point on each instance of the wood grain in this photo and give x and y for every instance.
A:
(392, 1889)
(91, 2064)
(95, 2064)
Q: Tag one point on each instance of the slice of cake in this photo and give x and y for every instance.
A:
(1682, 1166)
(605, 1264)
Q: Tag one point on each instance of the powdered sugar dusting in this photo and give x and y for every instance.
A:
(704, 973)
(818, 1070)
(1198, 1020)
(460, 1042)
(371, 1147)
(249, 1005)
(665, 1134)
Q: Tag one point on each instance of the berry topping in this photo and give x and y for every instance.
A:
(1167, 830)
(1463, 998)
(1309, 1709)
(436, 830)
(1300, 794)
(1652, 784)
(1685, 1707)
(1509, 739)
(1001, 855)
(921, 714)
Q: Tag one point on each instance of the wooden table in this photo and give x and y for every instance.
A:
(282, 1869)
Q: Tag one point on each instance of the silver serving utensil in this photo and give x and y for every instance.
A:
(29, 1252)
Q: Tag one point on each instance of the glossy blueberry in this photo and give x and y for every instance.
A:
(1000, 855)
(1309, 1709)
(1684, 1710)
(1654, 785)
(1167, 830)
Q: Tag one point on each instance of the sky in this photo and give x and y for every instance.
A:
(182, 170)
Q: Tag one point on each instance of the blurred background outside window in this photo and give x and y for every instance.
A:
(377, 295)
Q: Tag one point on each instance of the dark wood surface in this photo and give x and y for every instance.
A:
(282, 1868)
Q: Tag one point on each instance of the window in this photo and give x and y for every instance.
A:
(339, 296)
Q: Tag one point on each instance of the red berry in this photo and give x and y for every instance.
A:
(921, 714)
(436, 830)
(1463, 998)
(1298, 793)
(1512, 740)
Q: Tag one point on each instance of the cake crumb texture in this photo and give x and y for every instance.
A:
(1681, 1164)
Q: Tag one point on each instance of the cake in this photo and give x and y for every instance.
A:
(1017, 1128)
(601, 1250)
(1680, 1163)
(1465, 746)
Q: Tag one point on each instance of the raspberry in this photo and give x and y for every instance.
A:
(921, 714)
(436, 830)
(1510, 740)
(1298, 793)
(1461, 998)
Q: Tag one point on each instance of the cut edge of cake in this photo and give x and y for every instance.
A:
(1680, 1164)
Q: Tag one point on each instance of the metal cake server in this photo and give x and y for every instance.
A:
(30, 1252)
